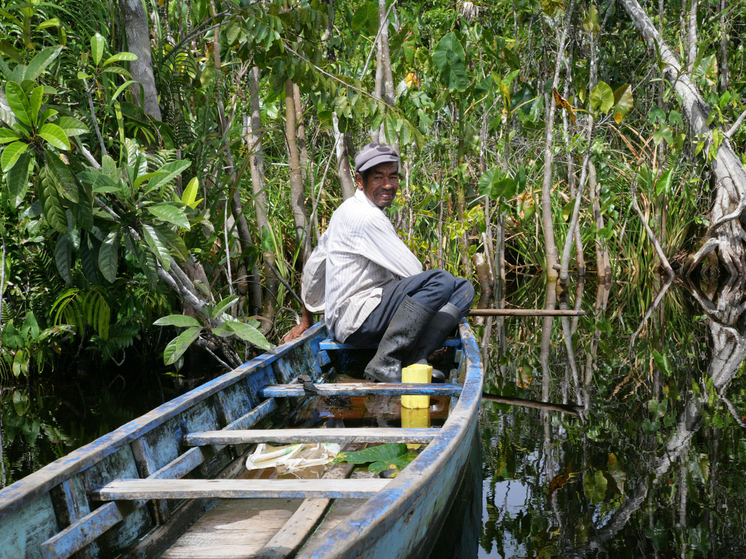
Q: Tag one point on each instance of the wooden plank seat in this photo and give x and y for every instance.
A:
(361, 389)
(332, 344)
(292, 436)
(146, 489)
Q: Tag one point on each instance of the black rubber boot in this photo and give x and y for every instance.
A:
(437, 331)
(407, 325)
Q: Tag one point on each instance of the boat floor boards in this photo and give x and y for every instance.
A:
(234, 529)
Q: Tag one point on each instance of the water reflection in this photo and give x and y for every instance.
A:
(654, 467)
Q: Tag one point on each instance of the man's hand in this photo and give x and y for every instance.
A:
(298, 329)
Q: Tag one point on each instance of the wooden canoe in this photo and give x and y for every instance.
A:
(173, 483)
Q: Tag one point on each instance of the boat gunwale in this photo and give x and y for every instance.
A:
(64, 468)
(386, 508)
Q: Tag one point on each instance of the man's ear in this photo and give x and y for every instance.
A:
(359, 180)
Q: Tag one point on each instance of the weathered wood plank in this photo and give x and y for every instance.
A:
(362, 389)
(233, 529)
(291, 536)
(254, 416)
(291, 436)
(239, 489)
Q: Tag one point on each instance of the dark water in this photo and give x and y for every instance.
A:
(655, 465)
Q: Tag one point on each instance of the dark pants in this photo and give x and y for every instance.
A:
(433, 289)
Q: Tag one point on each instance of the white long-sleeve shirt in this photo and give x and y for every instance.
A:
(358, 255)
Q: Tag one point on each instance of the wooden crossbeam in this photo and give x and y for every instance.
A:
(332, 344)
(291, 436)
(361, 389)
(136, 489)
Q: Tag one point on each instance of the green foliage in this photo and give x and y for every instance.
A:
(216, 323)
(391, 456)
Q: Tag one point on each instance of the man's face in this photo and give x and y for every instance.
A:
(383, 184)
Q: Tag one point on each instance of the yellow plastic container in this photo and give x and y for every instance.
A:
(420, 374)
(417, 418)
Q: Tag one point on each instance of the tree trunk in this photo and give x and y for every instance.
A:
(389, 94)
(546, 190)
(305, 167)
(138, 42)
(725, 232)
(343, 160)
(297, 193)
(724, 70)
(256, 161)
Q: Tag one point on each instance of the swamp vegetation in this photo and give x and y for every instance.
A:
(167, 166)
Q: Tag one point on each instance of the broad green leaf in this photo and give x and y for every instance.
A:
(145, 178)
(127, 56)
(504, 188)
(118, 92)
(21, 402)
(594, 486)
(602, 97)
(175, 242)
(381, 457)
(61, 176)
(18, 102)
(10, 50)
(40, 62)
(663, 363)
(171, 171)
(52, 207)
(180, 320)
(17, 179)
(7, 135)
(366, 18)
(623, 102)
(158, 245)
(116, 69)
(176, 347)
(189, 197)
(11, 153)
(663, 184)
(10, 337)
(222, 305)
(35, 103)
(223, 331)
(485, 182)
(46, 115)
(30, 327)
(171, 214)
(51, 22)
(450, 59)
(108, 256)
(55, 136)
(590, 23)
(88, 257)
(249, 334)
(71, 126)
(63, 257)
(97, 48)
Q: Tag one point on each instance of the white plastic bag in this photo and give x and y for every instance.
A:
(293, 458)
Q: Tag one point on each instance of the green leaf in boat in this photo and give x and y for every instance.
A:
(381, 457)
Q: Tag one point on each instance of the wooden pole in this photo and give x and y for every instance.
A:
(524, 312)
(575, 410)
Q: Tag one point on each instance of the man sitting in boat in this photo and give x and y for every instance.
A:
(370, 286)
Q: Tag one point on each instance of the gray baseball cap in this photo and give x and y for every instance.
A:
(374, 154)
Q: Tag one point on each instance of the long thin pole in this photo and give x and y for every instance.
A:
(564, 408)
(524, 312)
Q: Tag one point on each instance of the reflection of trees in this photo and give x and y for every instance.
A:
(728, 353)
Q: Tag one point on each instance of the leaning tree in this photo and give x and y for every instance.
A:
(725, 233)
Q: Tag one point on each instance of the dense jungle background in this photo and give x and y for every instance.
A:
(168, 165)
